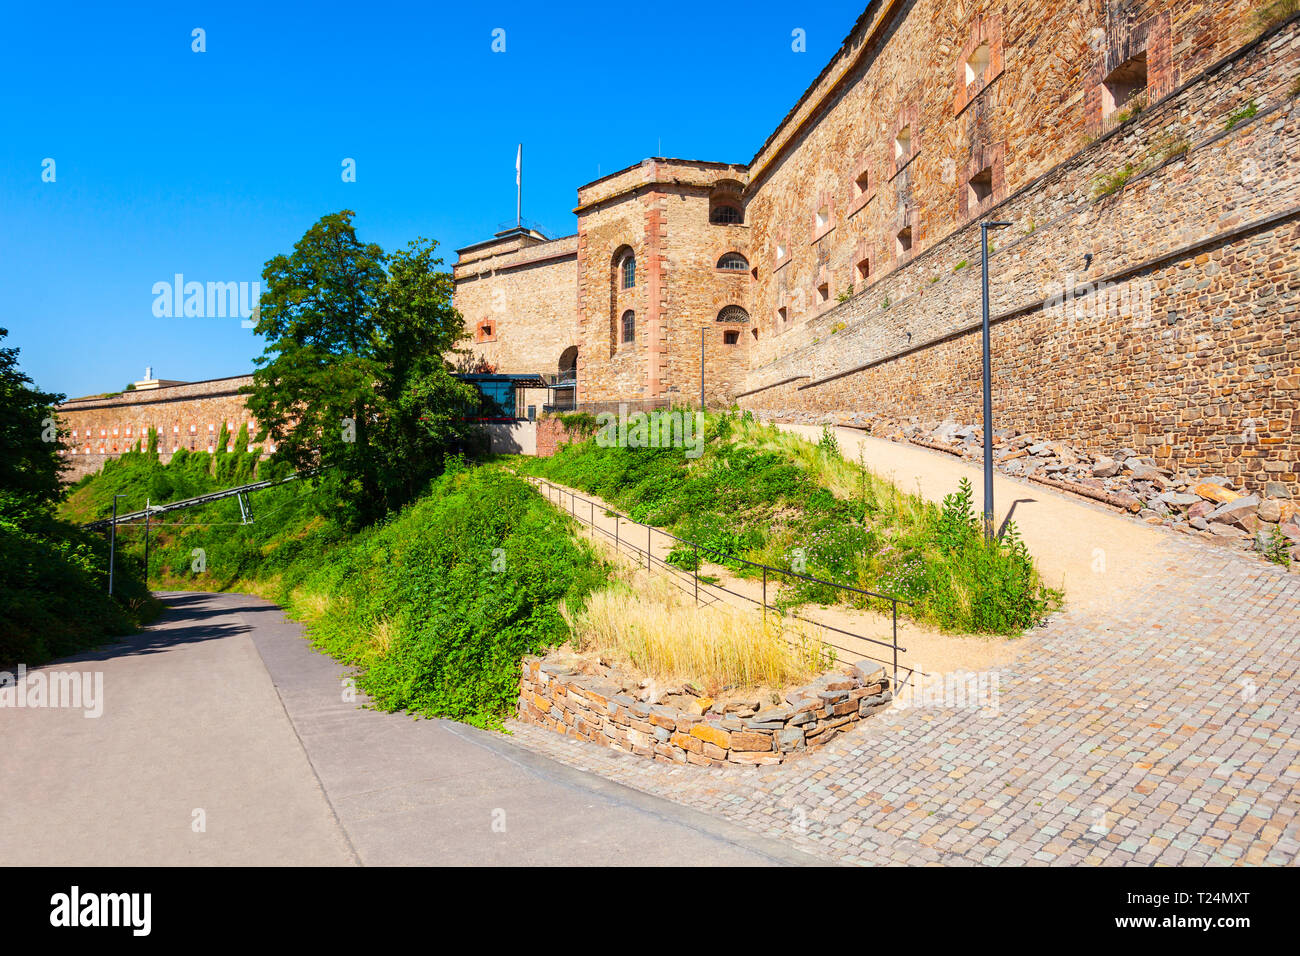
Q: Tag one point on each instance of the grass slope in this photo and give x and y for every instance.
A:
(767, 496)
(438, 604)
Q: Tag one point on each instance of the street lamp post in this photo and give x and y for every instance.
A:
(112, 543)
(988, 377)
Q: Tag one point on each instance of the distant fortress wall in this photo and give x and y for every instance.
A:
(186, 414)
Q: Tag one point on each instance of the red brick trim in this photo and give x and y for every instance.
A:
(908, 116)
(1122, 44)
(656, 231)
(983, 30)
(990, 158)
(862, 166)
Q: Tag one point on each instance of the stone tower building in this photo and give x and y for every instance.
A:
(1145, 294)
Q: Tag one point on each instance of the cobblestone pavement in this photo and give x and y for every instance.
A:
(1162, 730)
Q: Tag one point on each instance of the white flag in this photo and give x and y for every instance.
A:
(519, 165)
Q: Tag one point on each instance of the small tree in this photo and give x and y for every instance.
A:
(355, 379)
(30, 465)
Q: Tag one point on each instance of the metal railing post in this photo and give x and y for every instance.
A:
(697, 574)
(765, 592)
(894, 683)
(647, 547)
(616, 532)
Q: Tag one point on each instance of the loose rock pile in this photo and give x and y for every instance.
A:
(574, 698)
(1212, 507)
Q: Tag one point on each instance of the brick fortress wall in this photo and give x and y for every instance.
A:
(1187, 354)
(186, 416)
(860, 227)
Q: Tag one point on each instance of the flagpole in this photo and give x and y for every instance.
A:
(519, 187)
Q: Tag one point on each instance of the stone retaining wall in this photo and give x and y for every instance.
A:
(555, 696)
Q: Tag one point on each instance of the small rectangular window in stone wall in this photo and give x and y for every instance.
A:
(823, 218)
(984, 181)
(904, 236)
(863, 188)
(980, 62)
(1134, 69)
(906, 142)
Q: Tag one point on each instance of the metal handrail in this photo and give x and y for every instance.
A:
(894, 602)
(189, 502)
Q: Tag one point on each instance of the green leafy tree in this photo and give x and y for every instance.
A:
(355, 380)
(30, 467)
(425, 408)
(52, 575)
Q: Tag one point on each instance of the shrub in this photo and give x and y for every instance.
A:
(581, 425)
(460, 586)
(1277, 548)
(1243, 114)
(1133, 110)
(1111, 183)
(829, 444)
(53, 590)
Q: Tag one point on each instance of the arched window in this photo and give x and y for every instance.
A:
(733, 262)
(733, 313)
(725, 214)
(629, 326)
(627, 271)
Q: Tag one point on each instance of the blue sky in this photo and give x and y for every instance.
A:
(207, 164)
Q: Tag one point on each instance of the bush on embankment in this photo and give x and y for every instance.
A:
(54, 597)
(438, 604)
(53, 577)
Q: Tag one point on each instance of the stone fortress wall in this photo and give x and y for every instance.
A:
(518, 293)
(188, 415)
(1144, 152)
(1188, 352)
(1174, 216)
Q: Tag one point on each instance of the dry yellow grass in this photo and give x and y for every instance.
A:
(381, 637)
(650, 625)
(310, 606)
